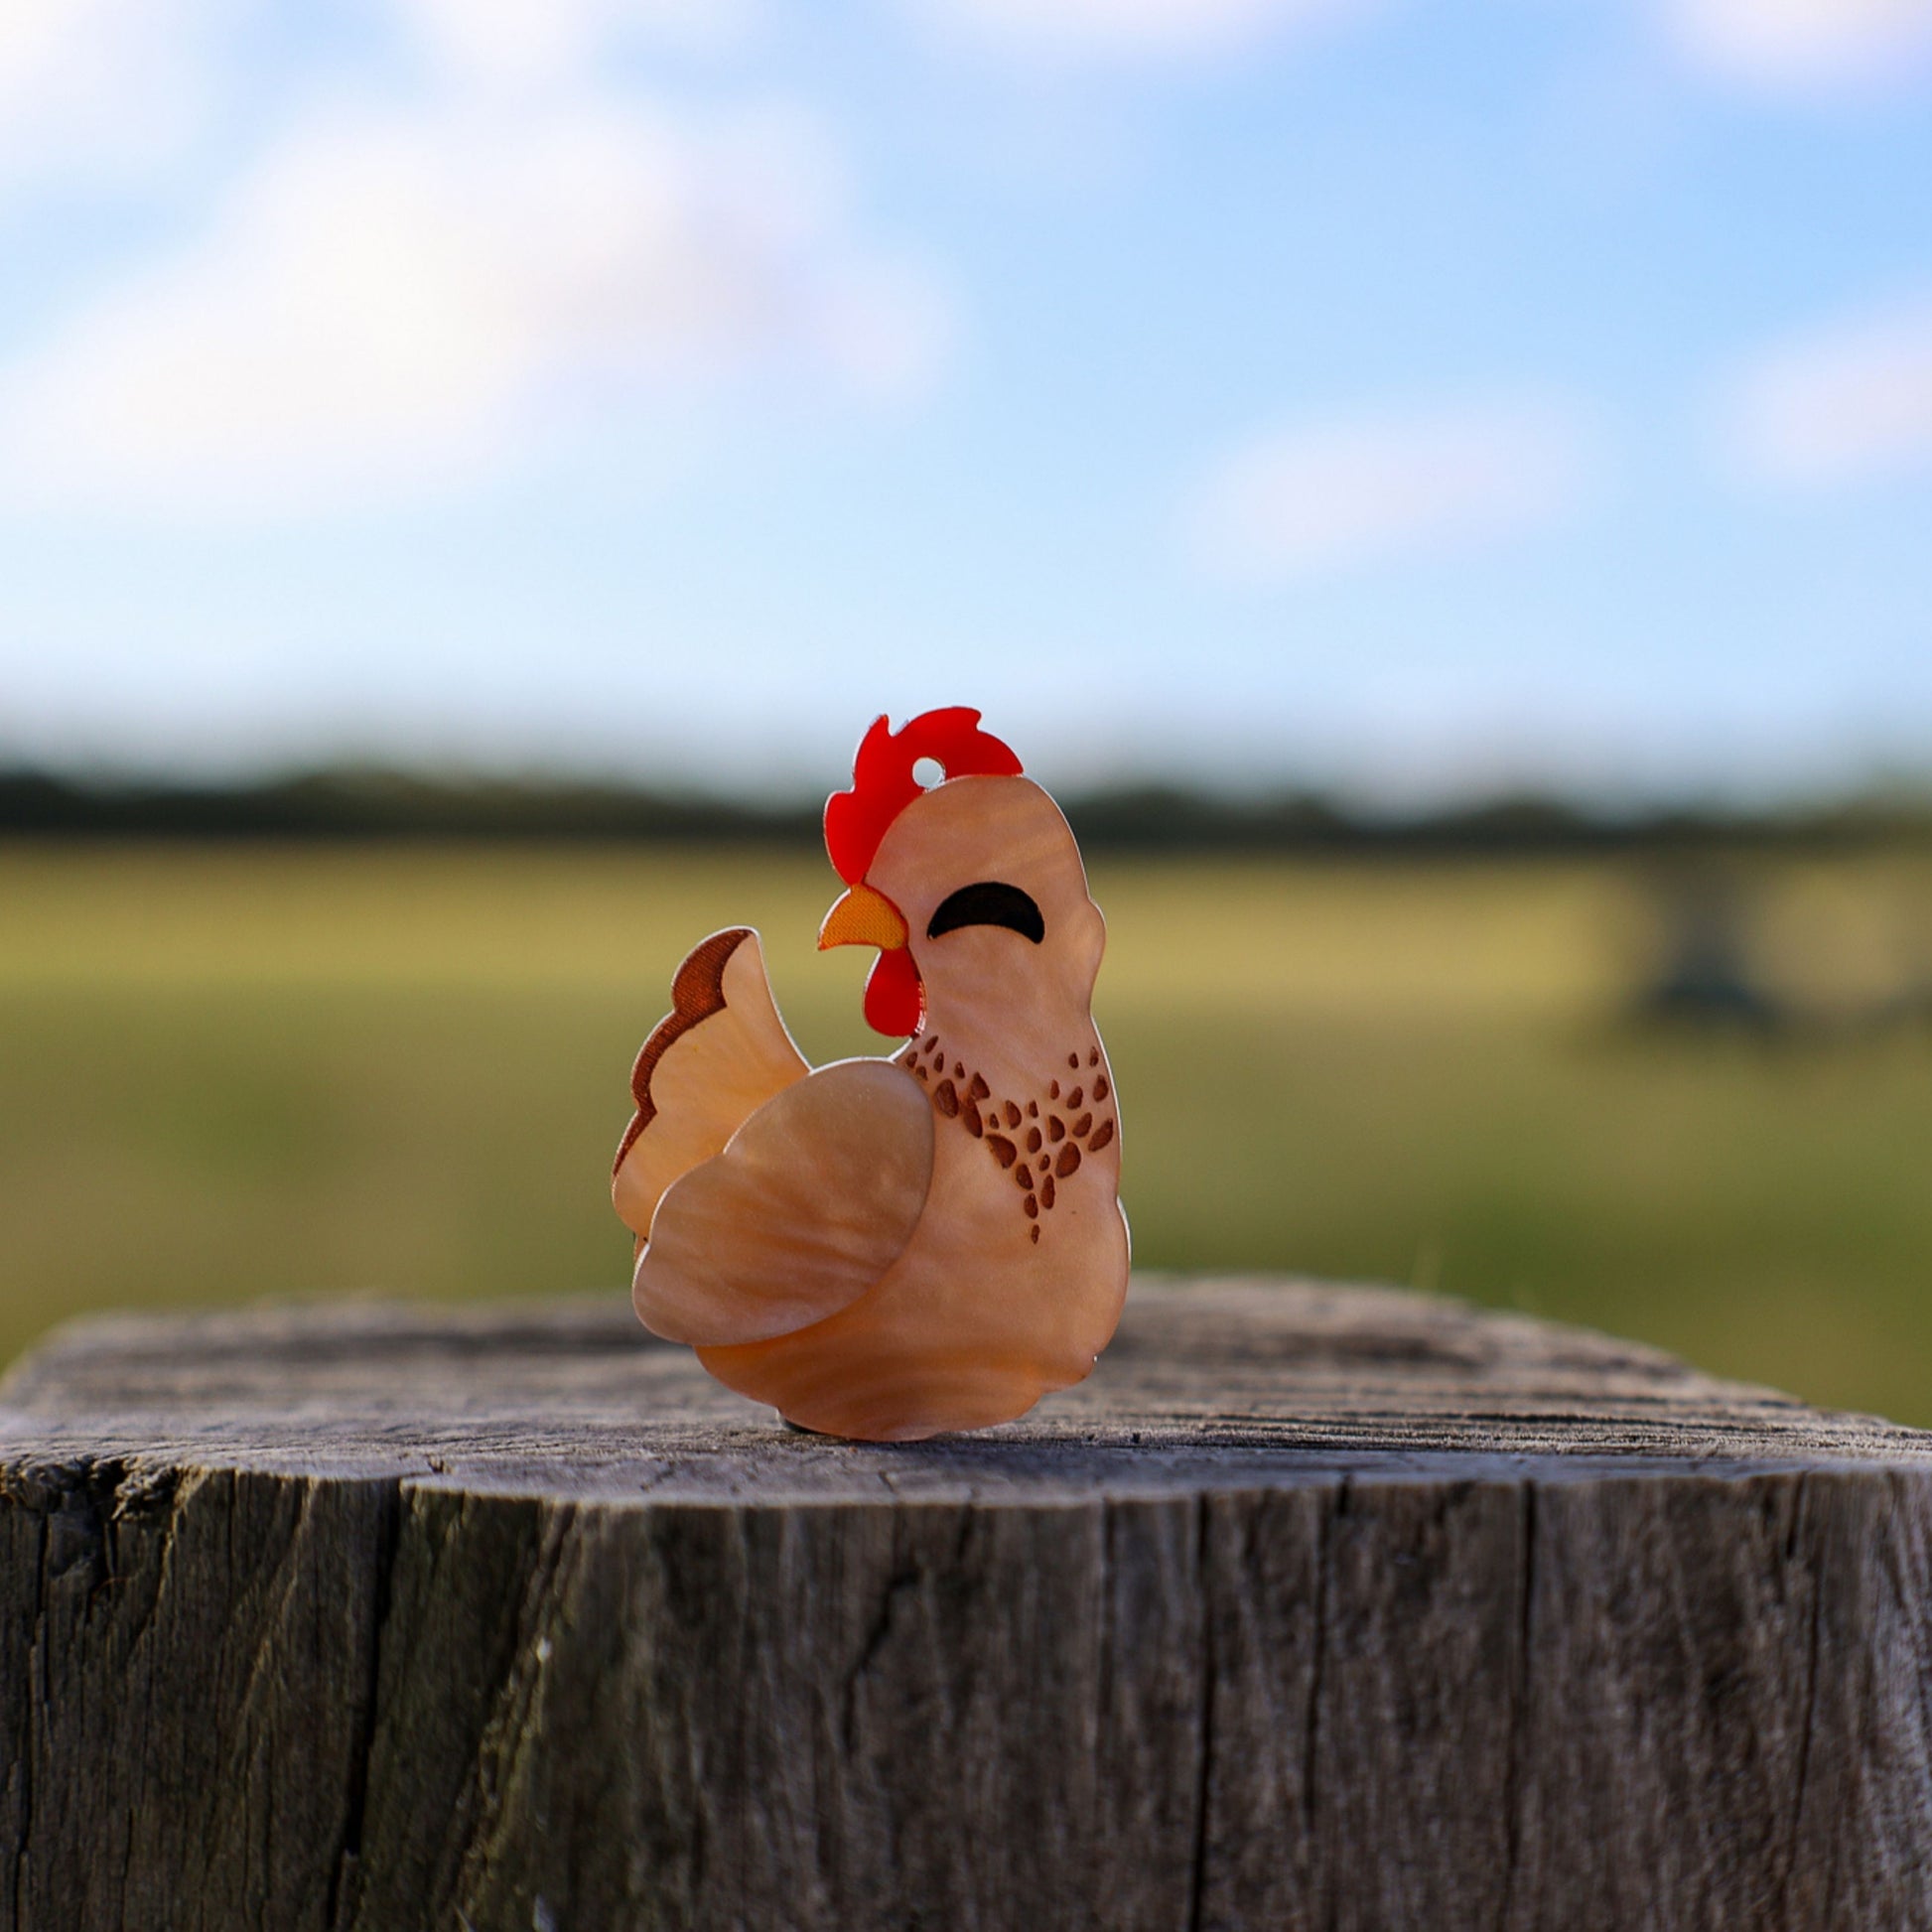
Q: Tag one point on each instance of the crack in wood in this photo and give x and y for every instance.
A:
(342, 1881)
(1205, 1699)
(1522, 1685)
(1335, 1509)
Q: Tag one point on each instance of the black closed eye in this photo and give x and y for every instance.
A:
(990, 903)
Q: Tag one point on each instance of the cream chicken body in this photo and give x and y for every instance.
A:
(886, 1249)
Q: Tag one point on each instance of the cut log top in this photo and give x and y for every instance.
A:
(1206, 1383)
(1315, 1607)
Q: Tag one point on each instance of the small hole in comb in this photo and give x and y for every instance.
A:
(927, 773)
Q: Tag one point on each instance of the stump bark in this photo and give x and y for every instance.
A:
(1316, 1608)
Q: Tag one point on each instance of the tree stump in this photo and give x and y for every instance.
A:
(1316, 1608)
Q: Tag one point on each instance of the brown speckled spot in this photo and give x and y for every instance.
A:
(1032, 1140)
(1011, 1113)
(1033, 1110)
(979, 1090)
(1052, 1090)
(1056, 1128)
(1083, 1126)
(1100, 1088)
(971, 1116)
(1003, 1148)
(1035, 1234)
(1074, 1101)
(921, 1072)
(1024, 1174)
(1093, 1056)
(958, 1070)
(1046, 1190)
(1033, 1208)
(1069, 1160)
(1073, 1060)
(932, 1045)
(1101, 1135)
(946, 1098)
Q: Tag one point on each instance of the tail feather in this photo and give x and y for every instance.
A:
(717, 1055)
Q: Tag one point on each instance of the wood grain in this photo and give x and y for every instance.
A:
(1316, 1608)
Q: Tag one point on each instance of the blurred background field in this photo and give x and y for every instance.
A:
(230, 1070)
(470, 470)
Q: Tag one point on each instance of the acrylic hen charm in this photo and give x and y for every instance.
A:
(887, 1249)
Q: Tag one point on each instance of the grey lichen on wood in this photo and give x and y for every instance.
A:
(1315, 1607)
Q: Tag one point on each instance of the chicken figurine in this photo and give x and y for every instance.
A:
(887, 1249)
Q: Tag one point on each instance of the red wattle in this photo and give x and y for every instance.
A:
(894, 998)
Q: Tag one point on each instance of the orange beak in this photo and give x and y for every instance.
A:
(895, 997)
(864, 918)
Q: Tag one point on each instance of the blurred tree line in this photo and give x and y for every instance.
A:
(353, 803)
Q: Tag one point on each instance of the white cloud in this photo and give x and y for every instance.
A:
(1806, 45)
(1309, 500)
(519, 44)
(1134, 29)
(388, 305)
(1850, 402)
(101, 87)
(104, 89)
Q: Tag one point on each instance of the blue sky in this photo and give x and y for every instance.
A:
(1415, 396)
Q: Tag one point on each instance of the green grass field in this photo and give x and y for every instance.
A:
(225, 1073)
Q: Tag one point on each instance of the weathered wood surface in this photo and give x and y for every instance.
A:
(1316, 1608)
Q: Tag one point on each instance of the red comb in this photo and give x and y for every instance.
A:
(883, 785)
